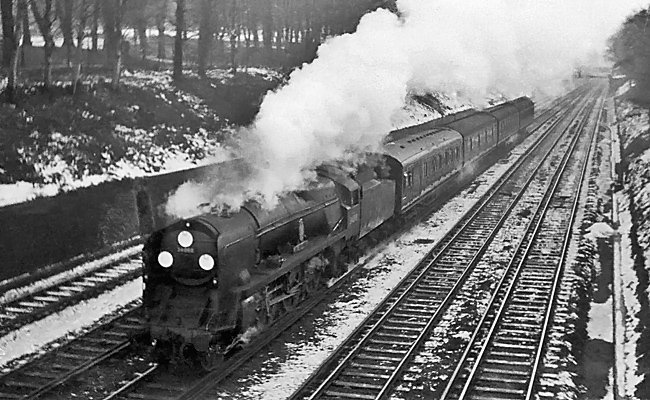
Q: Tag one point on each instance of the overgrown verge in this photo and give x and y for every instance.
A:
(635, 138)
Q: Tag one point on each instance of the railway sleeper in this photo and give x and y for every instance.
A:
(527, 304)
(74, 289)
(90, 349)
(516, 345)
(22, 383)
(404, 336)
(500, 372)
(8, 396)
(522, 306)
(417, 324)
(33, 304)
(377, 367)
(84, 357)
(423, 301)
(379, 358)
(501, 379)
(500, 390)
(46, 299)
(17, 310)
(507, 354)
(427, 291)
(383, 350)
(401, 328)
(518, 365)
(86, 283)
(348, 395)
(364, 374)
(40, 374)
(517, 317)
(417, 308)
(357, 385)
(417, 315)
(435, 279)
(389, 342)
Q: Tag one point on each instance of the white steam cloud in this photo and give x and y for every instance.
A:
(340, 106)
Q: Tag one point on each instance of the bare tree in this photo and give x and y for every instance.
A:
(113, 11)
(178, 42)
(45, 19)
(8, 39)
(161, 19)
(206, 33)
(94, 32)
(235, 30)
(141, 21)
(64, 11)
(27, 35)
(12, 78)
(84, 12)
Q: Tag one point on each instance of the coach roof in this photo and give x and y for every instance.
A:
(410, 148)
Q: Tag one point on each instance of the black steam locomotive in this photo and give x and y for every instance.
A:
(211, 278)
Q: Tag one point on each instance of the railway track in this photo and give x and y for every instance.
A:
(370, 363)
(39, 377)
(158, 383)
(38, 303)
(72, 359)
(505, 353)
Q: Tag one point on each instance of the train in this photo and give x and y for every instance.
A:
(210, 280)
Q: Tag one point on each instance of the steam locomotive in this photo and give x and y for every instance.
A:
(210, 279)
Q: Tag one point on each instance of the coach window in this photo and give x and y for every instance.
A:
(426, 169)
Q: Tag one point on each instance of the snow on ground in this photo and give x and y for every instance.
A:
(13, 294)
(33, 339)
(631, 302)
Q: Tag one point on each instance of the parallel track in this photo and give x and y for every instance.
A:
(370, 362)
(72, 359)
(505, 351)
(38, 304)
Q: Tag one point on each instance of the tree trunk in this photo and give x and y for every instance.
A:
(178, 42)
(94, 33)
(12, 78)
(142, 36)
(161, 18)
(27, 35)
(267, 25)
(112, 11)
(234, 35)
(205, 36)
(64, 11)
(8, 38)
(110, 40)
(79, 53)
(44, 22)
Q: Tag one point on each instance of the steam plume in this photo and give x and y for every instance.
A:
(340, 105)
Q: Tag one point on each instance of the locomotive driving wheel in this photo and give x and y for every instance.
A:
(211, 358)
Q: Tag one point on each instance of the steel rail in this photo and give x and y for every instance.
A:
(387, 313)
(531, 230)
